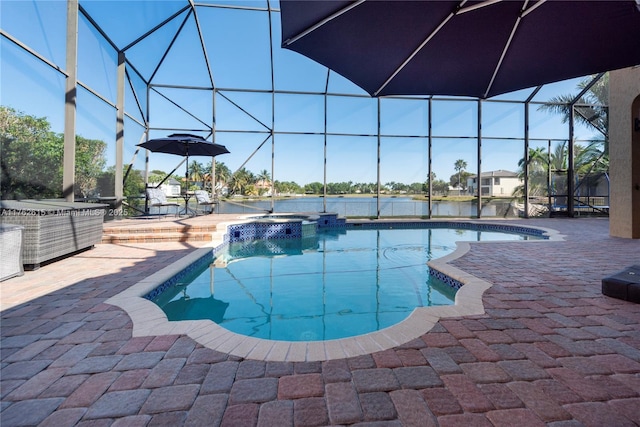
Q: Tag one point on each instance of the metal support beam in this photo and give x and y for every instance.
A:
(213, 138)
(549, 195)
(429, 155)
(571, 164)
(71, 89)
(273, 113)
(146, 152)
(273, 173)
(378, 164)
(571, 185)
(526, 149)
(479, 213)
(324, 160)
(525, 166)
(119, 179)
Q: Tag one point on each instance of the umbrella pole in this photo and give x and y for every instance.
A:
(186, 171)
(186, 175)
(186, 186)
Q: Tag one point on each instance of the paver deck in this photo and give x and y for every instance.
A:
(550, 349)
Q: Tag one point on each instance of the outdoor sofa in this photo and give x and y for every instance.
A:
(52, 228)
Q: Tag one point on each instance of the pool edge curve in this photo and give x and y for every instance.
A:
(149, 320)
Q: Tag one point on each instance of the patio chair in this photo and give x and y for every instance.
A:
(203, 200)
(158, 199)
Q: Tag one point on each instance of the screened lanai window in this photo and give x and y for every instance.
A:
(294, 129)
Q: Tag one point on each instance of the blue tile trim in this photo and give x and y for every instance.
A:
(265, 230)
(180, 276)
(453, 283)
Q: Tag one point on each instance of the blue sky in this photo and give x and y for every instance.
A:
(237, 43)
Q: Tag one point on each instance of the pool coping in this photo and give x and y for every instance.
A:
(149, 320)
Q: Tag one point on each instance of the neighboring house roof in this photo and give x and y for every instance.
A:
(499, 173)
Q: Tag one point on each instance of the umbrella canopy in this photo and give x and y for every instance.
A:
(184, 144)
(466, 48)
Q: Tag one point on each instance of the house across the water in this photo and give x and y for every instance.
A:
(500, 183)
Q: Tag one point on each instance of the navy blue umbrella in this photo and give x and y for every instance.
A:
(466, 48)
(185, 145)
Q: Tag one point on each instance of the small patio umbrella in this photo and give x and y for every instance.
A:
(465, 48)
(184, 144)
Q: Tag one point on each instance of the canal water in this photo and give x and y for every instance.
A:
(367, 207)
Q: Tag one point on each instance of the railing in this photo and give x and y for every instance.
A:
(598, 205)
(354, 207)
(368, 207)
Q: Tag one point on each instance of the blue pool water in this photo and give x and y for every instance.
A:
(334, 284)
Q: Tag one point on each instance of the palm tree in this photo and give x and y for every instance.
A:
(538, 171)
(541, 165)
(264, 175)
(195, 172)
(558, 160)
(263, 180)
(222, 175)
(241, 181)
(593, 113)
(459, 166)
(587, 160)
(591, 158)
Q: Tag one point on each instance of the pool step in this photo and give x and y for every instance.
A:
(145, 233)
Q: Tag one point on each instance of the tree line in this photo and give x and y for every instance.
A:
(31, 158)
(31, 164)
(246, 183)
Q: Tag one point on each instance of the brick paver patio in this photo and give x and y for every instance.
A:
(550, 350)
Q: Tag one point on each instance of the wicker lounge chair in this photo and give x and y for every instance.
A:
(158, 199)
(203, 200)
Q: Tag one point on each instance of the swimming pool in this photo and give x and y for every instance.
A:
(149, 320)
(332, 284)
